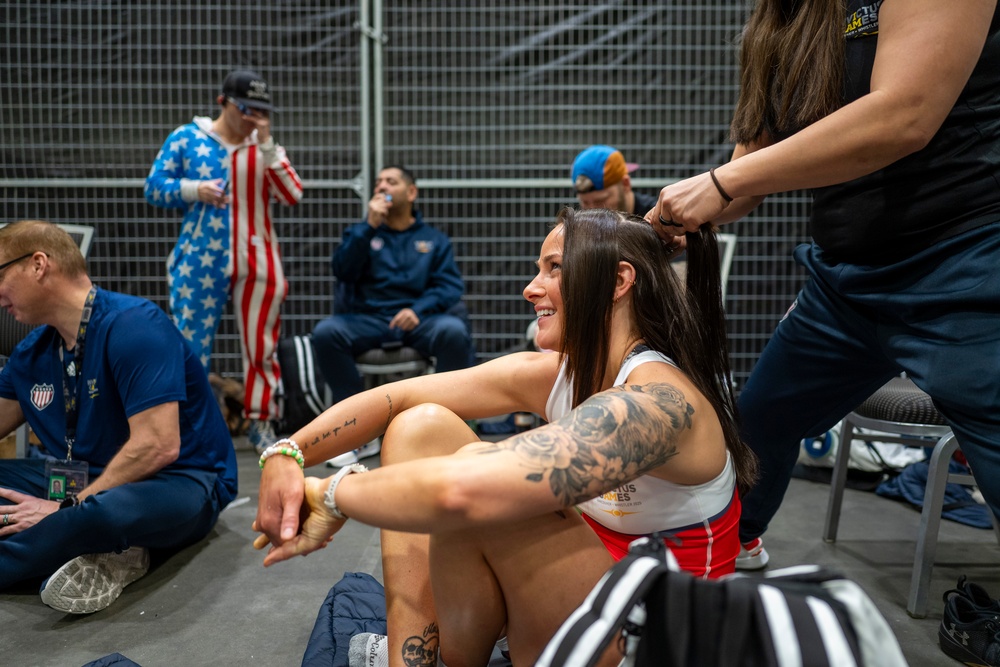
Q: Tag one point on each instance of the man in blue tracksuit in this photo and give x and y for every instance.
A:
(397, 281)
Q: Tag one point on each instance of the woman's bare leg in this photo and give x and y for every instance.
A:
(528, 575)
(423, 431)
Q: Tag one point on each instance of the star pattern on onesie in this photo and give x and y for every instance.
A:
(199, 264)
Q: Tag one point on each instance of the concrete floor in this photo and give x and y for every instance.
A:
(214, 604)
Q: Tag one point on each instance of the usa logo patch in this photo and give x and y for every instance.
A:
(41, 396)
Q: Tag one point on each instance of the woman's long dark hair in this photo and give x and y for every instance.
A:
(685, 323)
(792, 67)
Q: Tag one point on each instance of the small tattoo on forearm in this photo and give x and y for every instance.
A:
(333, 432)
(388, 398)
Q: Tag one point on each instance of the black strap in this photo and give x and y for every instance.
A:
(72, 400)
(711, 623)
(666, 638)
(739, 618)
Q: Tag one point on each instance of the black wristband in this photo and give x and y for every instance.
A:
(718, 186)
(69, 501)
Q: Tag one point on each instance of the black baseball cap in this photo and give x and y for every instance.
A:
(249, 88)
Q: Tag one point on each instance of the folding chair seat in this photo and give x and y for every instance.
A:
(382, 365)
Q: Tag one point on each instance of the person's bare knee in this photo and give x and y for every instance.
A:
(424, 430)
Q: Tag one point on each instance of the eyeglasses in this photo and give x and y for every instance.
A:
(15, 261)
(245, 110)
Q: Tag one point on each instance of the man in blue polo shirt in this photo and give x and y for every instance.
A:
(139, 456)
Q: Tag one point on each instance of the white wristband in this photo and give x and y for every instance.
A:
(328, 501)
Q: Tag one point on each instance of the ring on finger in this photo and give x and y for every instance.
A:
(6, 519)
(669, 222)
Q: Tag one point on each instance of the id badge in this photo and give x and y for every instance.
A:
(66, 478)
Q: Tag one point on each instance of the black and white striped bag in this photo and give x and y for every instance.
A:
(803, 616)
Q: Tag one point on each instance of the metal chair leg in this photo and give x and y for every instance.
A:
(930, 523)
(838, 480)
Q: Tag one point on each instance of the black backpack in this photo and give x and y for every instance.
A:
(663, 617)
(302, 394)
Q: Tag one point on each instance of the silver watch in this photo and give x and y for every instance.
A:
(328, 501)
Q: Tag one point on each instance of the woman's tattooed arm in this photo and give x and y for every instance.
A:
(609, 439)
(344, 425)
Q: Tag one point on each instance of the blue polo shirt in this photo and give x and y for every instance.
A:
(134, 359)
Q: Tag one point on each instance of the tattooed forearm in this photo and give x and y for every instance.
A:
(421, 651)
(333, 432)
(606, 441)
(330, 432)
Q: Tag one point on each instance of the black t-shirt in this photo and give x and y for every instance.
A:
(950, 186)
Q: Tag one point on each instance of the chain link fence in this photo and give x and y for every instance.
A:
(486, 102)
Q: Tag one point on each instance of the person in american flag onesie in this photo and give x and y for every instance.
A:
(223, 174)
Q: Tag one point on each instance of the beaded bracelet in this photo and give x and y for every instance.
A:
(288, 441)
(280, 448)
(718, 186)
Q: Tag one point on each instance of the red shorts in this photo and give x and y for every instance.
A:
(708, 550)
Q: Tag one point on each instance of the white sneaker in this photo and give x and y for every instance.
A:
(368, 650)
(92, 582)
(353, 456)
(753, 555)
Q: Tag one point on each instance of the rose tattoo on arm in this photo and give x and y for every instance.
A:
(609, 439)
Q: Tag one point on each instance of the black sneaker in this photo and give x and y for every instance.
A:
(975, 594)
(970, 635)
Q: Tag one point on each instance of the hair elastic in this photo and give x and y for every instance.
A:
(718, 186)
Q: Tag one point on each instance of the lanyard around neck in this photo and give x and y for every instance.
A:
(73, 399)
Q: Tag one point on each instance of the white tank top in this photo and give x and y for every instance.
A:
(647, 504)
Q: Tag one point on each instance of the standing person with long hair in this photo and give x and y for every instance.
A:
(642, 437)
(890, 113)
